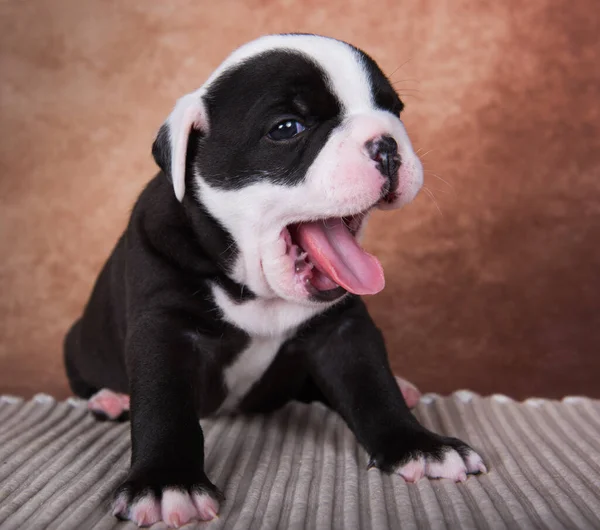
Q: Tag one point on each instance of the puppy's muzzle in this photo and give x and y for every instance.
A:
(384, 151)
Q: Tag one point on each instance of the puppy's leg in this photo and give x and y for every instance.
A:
(166, 480)
(349, 364)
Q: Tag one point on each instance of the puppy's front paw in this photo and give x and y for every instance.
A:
(433, 456)
(145, 502)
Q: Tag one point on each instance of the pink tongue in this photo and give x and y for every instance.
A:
(334, 251)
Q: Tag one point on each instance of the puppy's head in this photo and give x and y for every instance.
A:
(290, 144)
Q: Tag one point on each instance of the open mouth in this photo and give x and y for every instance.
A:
(328, 259)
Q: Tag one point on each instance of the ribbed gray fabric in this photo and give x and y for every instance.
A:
(301, 468)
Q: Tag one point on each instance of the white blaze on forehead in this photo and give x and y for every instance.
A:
(342, 64)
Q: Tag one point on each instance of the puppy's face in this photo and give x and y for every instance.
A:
(296, 139)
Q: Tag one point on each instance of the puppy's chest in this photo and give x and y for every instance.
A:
(249, 367)
(269, 324)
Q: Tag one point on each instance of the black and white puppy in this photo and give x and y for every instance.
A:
(236, 284)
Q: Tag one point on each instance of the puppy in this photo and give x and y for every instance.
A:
(236, 285)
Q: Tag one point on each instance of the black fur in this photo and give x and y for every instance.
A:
(238, 151)
(151, 328)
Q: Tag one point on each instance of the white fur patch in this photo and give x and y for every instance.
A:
(266, 317)
(145, 511)
(249, 367)
(176, 508)
(452, 466)
(475, 463)
(269, 322)
(413, 470)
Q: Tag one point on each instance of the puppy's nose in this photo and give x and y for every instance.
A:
(384, 150)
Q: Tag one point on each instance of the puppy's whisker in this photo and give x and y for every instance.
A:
(407, 80)
(426, 153)
(432, 197)
(440, 190)
(403, 64)
(229, 247)
(438, 177)
(408, 89)
(401, 94)
(449, 192)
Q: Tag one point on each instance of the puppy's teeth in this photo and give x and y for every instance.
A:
(303, 255)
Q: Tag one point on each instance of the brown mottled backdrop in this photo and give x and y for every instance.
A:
(497, 288)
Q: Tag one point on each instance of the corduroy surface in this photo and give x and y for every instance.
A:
(301, 468)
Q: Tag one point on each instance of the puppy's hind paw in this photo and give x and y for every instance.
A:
(109, 405)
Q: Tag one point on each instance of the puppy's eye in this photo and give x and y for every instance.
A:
(285, 130)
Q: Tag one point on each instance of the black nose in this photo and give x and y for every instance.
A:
(384, 150)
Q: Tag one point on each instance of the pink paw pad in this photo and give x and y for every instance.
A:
(108, 403)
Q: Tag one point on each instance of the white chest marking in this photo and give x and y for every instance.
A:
(269, 322)
(249, 367)
(264, 317)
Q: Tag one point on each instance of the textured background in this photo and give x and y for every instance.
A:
(496, 289)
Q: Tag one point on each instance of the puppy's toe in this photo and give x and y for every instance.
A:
(207, 506)
(450, 465)
(474, 463)
(413, 470)
(177, 508)
(144, 511)
(175, 505)
(109, 405)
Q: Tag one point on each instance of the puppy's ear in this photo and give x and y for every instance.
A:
(170, 147)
